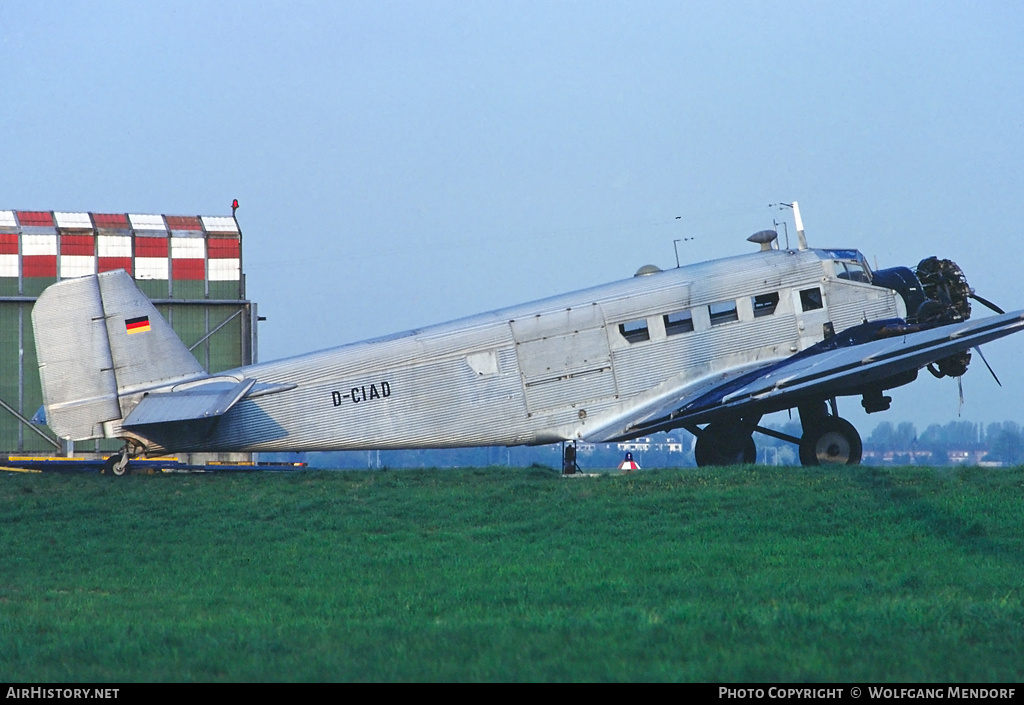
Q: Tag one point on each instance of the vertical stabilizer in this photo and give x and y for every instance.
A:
(144, 347)
(98, 338)
(75, 367)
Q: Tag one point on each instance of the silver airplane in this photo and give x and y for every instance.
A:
(709, 347)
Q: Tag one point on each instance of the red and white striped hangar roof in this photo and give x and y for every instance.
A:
(55, 244)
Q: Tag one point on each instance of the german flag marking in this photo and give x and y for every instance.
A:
(137, 325)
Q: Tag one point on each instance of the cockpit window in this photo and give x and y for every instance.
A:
(853, 271)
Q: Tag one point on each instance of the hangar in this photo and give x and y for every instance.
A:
(189, 266)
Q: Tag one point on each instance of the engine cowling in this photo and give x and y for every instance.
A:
(936, 294)
(945, 285)
(947, 300)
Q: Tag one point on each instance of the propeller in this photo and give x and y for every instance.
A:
(984, 302)
(960, 379)
(947, 297)
(991, 371)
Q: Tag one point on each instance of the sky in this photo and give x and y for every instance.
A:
(405, 163)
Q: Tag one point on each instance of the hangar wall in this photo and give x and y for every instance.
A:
(189, 266)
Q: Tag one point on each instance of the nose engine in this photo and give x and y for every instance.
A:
(936, 294)
(947, 300)
(947, 295)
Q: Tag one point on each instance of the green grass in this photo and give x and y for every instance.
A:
(742, 574)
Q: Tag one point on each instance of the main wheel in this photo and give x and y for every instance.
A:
(725, 444)
(832, 441)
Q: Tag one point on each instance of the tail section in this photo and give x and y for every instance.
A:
(98, 339)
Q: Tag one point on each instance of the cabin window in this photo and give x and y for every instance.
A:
(635, 331)
(764, 304)
(853, 271)
(723, 312)
(679, 322)
(810, 299)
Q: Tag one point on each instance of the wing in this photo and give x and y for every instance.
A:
(852, 362)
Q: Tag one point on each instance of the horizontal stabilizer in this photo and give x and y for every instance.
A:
(205, 399)
(201, 402)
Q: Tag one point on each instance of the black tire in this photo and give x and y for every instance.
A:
(725, 444)
(833, 441)
(115, 466)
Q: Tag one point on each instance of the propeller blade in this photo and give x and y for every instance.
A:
(985, 302)
(991, 371)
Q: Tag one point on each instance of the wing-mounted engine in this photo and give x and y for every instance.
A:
(947, 300)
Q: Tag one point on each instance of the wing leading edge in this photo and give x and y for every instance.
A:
(850, 363)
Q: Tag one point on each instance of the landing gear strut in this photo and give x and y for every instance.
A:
(118, 463)
(725, 443)
(827, 439)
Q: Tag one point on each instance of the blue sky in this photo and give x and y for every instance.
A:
(404, 163)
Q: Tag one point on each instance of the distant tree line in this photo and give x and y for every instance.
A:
(999, 442)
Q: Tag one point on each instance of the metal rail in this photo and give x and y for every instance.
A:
(32, 426)
(219, 326)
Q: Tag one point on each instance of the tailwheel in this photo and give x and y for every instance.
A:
(723, 443)
(117, 465)
(831, 441)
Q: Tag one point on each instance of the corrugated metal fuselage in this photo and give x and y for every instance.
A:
(550, 370)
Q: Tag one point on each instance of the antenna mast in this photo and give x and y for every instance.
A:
(799, 223)
(799, 226)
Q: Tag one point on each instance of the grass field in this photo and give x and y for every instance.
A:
(738, 574)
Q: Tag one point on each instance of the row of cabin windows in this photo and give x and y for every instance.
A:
(721, 312)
